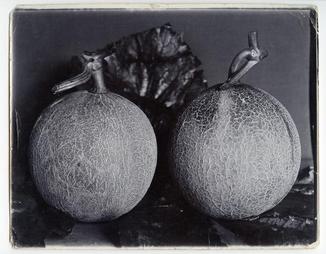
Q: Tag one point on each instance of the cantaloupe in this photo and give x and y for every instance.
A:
(236, 150)
(92, 154)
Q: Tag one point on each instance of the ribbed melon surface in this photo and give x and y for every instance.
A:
(236, 152)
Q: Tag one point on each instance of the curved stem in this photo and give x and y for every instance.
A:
(73, 82)
(239, 61)
(93, 64)
(245, 60)
(239, 74)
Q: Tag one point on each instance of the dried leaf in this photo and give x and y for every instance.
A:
(155, 64)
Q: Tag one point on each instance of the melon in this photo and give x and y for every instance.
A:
(92, 153)
(236, 151)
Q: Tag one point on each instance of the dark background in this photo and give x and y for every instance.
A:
(44, 42)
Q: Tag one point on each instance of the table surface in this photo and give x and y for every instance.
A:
(168, 222)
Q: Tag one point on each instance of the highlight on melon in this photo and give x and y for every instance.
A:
(236, 151)
(92, 153)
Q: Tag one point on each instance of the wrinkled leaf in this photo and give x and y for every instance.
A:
(155, 64)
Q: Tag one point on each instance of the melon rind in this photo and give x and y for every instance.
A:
(235, 152)
(92, 155)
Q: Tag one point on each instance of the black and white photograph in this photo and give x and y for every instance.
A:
(164, 127)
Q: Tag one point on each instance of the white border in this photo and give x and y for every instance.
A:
(6, 7)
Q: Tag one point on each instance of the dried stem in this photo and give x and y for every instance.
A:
(93, 68)
(245, 60)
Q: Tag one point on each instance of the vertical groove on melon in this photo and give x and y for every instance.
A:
(236, 152)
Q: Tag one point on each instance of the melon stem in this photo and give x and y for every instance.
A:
(93, 67)
(73, 82)
(99, 81)
(245, 60)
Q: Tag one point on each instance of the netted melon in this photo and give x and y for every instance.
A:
(92, 153)
(236, 150)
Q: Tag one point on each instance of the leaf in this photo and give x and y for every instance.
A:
(155, 64)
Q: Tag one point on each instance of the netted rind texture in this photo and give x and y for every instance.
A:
(236, 152)
(93, 156)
